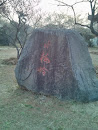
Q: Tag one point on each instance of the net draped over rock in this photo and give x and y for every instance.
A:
(57, 62)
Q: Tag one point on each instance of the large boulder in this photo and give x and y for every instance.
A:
(57, 62)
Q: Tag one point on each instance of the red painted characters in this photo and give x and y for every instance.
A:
(47, 45)
(42, 70)
(44, 59)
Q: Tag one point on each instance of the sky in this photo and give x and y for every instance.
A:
(50, 6)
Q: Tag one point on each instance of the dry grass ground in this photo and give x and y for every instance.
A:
(23, 110)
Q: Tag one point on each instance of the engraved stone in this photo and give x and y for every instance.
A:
(57, 62)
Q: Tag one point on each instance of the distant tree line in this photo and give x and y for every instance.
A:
(19, 18)
(93, 16)
(55, 20)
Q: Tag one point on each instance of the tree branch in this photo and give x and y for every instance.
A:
(93, 8)
(3, 2)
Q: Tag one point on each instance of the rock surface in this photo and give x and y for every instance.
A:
(57, 62)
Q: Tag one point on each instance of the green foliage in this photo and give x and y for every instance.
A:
(86, 33)
(3, 38)
(8, 32)
(59, 20)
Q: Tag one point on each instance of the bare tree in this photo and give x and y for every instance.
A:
(93, 17)
(60, 20)
(23, 16)
(2, 2)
